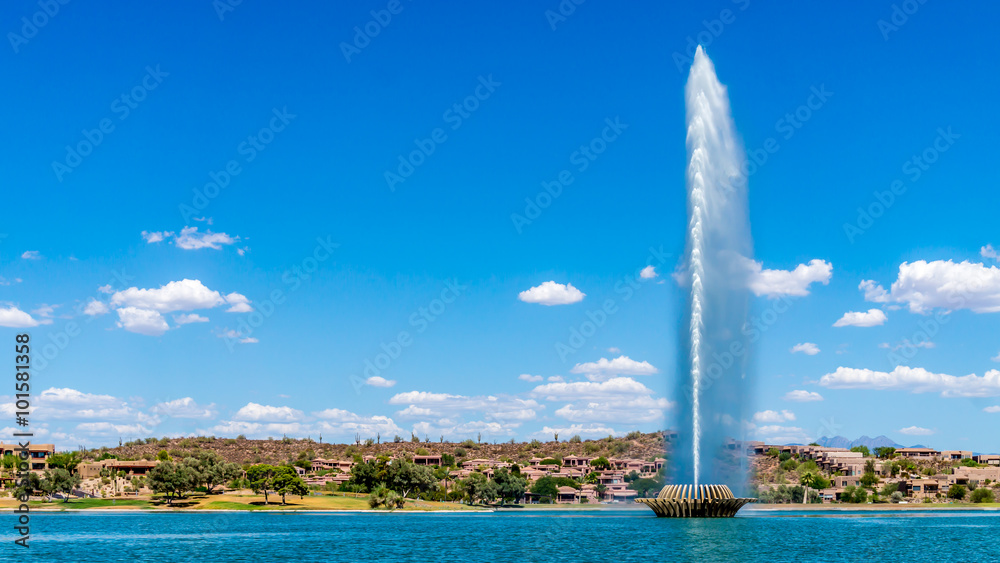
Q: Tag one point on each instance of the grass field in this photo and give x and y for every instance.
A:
(234, 502)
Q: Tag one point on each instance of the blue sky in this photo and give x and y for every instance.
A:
(172, 307)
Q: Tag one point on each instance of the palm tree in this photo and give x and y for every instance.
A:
(807, 480)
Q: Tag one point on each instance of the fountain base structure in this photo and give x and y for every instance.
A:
(703, 501)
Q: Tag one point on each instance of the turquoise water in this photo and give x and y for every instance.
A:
(606, 536)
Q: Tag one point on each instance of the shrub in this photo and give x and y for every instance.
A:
(982, 495)
(789, 465)
(633, 435)
(575, 439)
(957, 492)
(469, 444)
(460, 452)
(422, 451)
(784, 456)
(591, 448)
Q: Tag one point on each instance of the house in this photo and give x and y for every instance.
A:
(988, 459)
(320, 464)
(978, 475)
(955, 455)
(92, 470)
(918, 453)
(920, 488)
(434, 460)
(566, 494)
(38, 454)
(577, 461)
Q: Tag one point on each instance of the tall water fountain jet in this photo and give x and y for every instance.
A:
(719, 250)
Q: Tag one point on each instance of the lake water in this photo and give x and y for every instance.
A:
(581, 537)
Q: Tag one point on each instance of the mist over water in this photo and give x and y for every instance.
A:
(713, 383)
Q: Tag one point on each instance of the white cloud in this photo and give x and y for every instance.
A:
(240, 304)
(588, 430)
(807, 348)
(604, 368)
(190, 318)
(184, 408)
(529, 377)
(591, 390)
(614, 350)
(993, 409)
(492, 408)
(13, 317)
(915, 431)
(555, 379)
(874, 317)
(989, 252)
(45, 310)
(377, 381)
(142, 321)
(802, 396)
(235, 335)
(643, 409)
(924, 286)
(260, 430)
(774, 417)
(191, 239)
(254, 412)
(106, 289)
(648, 273)
(552, 293)
(915, 380)
(907, 344)
(31, 255)
(184, 295)
(157, 236)
(775, 283)
(95, 307)
(58, 403)
(996, 358)
(778, 434)
(249, 340)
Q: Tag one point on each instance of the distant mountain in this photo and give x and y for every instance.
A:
(872, 443)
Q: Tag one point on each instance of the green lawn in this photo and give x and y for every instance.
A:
(77, 504)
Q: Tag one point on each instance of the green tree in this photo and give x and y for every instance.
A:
(28, 485)
(857, 495)
(863, 449)
(869, 479)
(289, 483)
(600, 463)
(509, 485)
(885, 452)
(546, 488)
(982, 495)
(644, 486)
(404, 477)
(479, 489)
(262, 477)
(213, 470)
(67, 461)
(957, 492)
(59, 480)
(172, 479)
